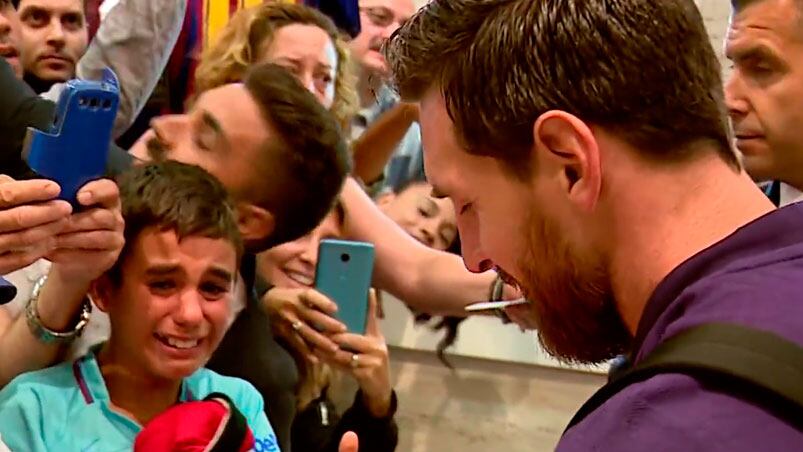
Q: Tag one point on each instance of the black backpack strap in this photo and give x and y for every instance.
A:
(754, 365)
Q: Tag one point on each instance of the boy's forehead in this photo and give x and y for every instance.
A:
(165, 249)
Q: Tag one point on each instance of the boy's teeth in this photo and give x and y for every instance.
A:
(182, 344)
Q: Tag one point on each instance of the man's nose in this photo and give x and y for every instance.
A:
(474, 258)
(735, 100)
(55, 34)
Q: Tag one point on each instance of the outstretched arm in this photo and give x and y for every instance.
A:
(135, 40)
(428, 281)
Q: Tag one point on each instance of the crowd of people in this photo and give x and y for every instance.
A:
(586, 155)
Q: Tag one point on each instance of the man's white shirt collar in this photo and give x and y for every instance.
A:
(790, 195)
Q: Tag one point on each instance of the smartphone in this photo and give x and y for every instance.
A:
(73, 151)
(343, 274)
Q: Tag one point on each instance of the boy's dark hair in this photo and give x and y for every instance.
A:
(175, 196)
(306, 166)
(643, 69)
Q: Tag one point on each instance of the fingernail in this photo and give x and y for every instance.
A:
(52, 189)
(65, 208)
(85, 197)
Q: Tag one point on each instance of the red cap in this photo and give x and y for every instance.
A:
(211, 425)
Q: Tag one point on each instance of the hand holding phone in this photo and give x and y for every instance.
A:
(344, 272)
(73, 151)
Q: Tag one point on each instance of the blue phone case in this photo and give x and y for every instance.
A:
(74, 151)
(344, 274)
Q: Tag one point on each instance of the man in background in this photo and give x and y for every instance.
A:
(54, 38)
(765, 92)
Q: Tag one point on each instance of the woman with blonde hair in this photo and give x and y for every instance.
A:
(300, 38)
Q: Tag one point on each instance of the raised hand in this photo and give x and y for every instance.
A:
(91, 241)
(30, 219)
(297, 315)
(523, 315)
(366, 359)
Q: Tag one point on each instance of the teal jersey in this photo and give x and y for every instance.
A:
(67, 408)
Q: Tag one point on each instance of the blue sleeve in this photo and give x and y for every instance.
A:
(21, 419)
(250, 403)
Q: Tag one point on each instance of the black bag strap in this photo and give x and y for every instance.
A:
(754, 365)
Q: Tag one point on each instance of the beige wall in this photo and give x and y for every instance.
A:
(716, 13)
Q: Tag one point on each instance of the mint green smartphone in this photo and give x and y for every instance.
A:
(344, 274)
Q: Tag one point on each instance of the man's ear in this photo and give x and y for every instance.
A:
(571, 153)
(255, 223)
(101, 292)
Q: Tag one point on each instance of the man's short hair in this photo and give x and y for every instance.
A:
(174, 196)
(643, 69)
(304, 168)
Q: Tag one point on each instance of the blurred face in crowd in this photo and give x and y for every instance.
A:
(379, 19)
(292, 265)
(309, 53)
(54, 37)
(765, 90)
(10, 36)
(429, 220)
(170, 310)
(221, 139)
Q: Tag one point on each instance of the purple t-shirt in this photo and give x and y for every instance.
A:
(754, 277)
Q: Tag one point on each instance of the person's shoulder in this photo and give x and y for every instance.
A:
(31, 398)
(767, 298)
(676, 412)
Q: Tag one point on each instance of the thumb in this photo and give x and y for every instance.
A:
(349, 443)
(372, 324)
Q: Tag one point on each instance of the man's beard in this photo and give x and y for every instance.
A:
(571, 297)
(38, 85)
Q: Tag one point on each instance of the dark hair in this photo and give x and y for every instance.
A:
(175, 196)
(305, 167)
(644, 69)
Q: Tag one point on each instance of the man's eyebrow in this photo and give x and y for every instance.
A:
(30, 9)
(74, 15)
(755, 51)
(210, 121)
